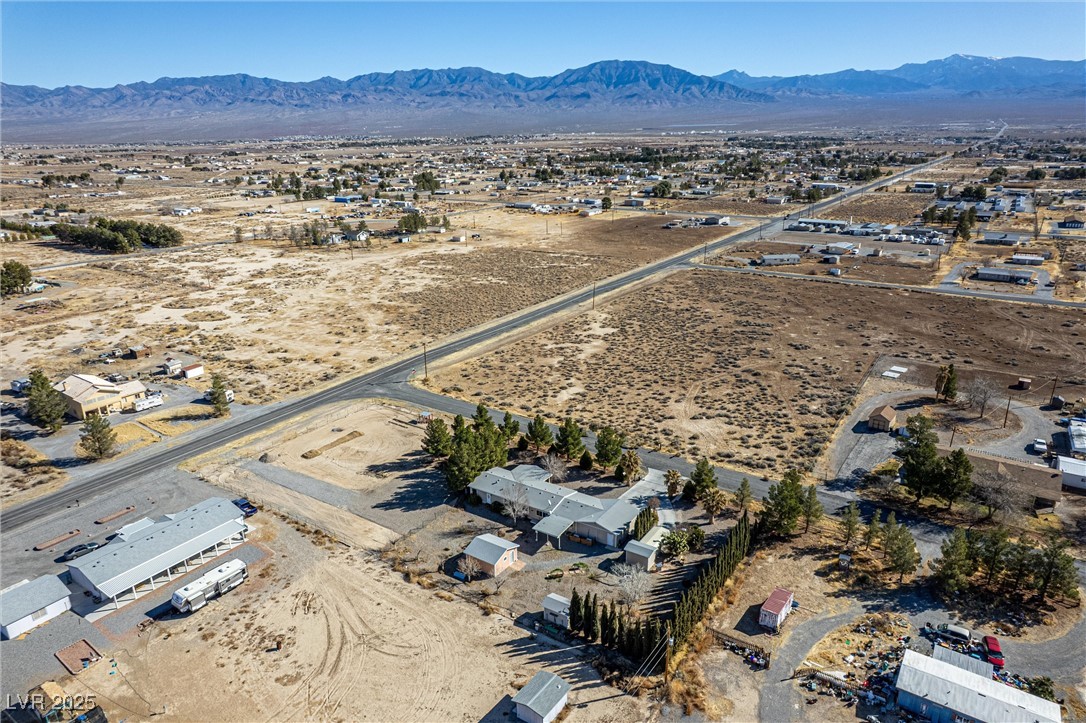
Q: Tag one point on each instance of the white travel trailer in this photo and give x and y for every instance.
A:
(141, 405)
(219, 581)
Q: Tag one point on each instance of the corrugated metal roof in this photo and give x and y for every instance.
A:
(779, 601)
(969, 694)
(121, 564)
(618, 516)
(30, 596)
(640, 548)
(489, 548)
(553, 525)
(978, 667)
(542, 693)
(555, 603)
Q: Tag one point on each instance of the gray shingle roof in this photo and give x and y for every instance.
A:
(489, 548)
(20, 600)
(542, 692)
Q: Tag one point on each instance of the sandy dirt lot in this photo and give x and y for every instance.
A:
(357, 643)
(723, 364)
(276, 320)
(885, 207)
(889, 268)
(383, 438)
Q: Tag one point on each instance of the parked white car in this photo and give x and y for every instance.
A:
(1040, 446)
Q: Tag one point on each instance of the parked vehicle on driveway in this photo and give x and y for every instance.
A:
(246, 506)
(80, 550)
(1040, 446)
(993, 651)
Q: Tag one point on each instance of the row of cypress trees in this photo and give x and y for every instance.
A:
(613, 627)
(696, 599)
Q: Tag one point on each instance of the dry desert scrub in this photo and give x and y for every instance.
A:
(751, 370)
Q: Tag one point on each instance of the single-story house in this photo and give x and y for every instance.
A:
(775, 609)
(1071, 222)
(30, 603)
(997, 273)
(642, 553)
(1027, 259)
(1042, 485)
(779, 259)
(556, 610)
(1076, 438)
(1002, 239)
(139, 351)
(883, 419)
(556, 510)
(86, 394)
(171, 367)
(1073, 471)
(944, 693)
(192, 371)
(493, 554)
(542, 699)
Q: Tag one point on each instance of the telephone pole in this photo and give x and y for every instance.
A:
(1007, 414)
(1052, 396)
(593, 295)
(425, 364)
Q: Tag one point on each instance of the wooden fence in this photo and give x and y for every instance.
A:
(733, 642)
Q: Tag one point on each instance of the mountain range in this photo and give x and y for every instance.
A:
(602, 92)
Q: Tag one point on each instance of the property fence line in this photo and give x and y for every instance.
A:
(827, 679)
(724, 638)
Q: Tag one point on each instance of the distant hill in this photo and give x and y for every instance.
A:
(957, 74)
(612, 94)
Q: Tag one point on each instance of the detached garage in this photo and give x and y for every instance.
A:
(30, 603)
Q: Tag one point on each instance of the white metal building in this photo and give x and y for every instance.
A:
(1074, 472)
(556, 610)
(542, 699)
(944, 693)
(30, 603)
(149, 550)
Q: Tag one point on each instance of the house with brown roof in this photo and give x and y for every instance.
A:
(883, 419)
(87, 394)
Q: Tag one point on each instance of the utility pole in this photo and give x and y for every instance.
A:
(425, 364)
(953, 431)
(1052, 396)
(593, 295)
(1007, 414)
(667, 657)
(705, 255)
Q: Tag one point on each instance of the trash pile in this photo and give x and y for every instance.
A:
(754, 658)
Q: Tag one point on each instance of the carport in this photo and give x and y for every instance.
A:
(553, 526)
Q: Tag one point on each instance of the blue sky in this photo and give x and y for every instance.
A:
(101, 44)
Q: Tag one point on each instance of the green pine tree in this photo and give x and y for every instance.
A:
(220, 403)
(45, 406)
(608, 447)
(437, 442)
(96, 438)
(539, 434)
(703, 478)
(568, 441)
(586, 461)
(575, 611)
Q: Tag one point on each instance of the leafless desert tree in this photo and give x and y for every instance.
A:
(634, 583)
(469, 566)
(555, 465)
(980, 392)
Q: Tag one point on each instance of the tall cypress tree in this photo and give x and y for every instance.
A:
(575, 611)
